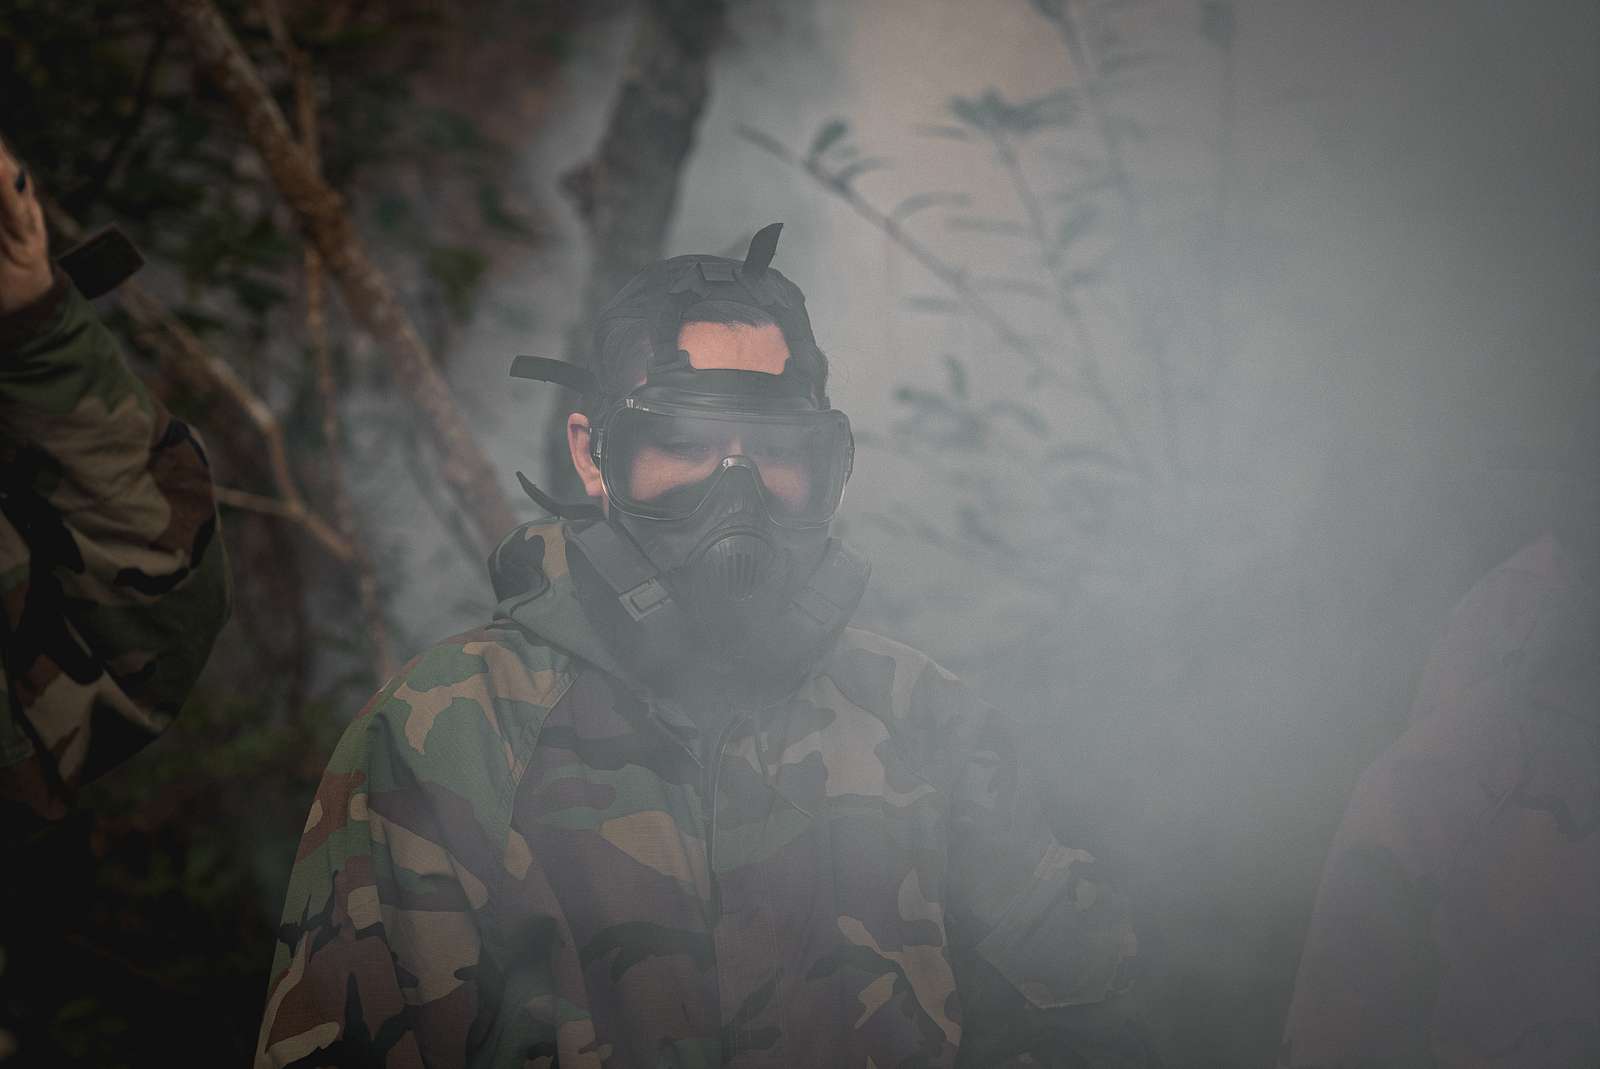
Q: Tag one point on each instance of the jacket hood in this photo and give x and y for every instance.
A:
(534, 590)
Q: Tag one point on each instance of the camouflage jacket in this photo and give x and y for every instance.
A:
(113, 577)
(1458, 922)
(516, 858)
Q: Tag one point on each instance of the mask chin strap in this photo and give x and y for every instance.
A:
(627, 598)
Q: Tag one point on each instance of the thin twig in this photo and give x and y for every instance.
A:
(1067, 28)
(1050, 252)
(289, 510)
(449, 519)
(127, 965)
(1089, 80)
(317, 335)
(129, 127)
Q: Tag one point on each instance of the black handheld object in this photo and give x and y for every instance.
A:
(102, 262)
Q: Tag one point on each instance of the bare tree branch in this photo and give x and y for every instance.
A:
(100, 176)
(293, 511)
(366, 290)
(1089, 80)
(367, 589)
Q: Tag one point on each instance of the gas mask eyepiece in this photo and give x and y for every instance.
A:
(731, 503)
(661, 457)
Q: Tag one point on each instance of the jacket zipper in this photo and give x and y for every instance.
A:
(715, 774)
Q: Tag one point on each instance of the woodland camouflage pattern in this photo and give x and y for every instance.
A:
(1458, 923)
(516, 858)
(113, 577)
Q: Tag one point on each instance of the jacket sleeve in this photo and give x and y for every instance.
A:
(380, 957)
(1045, 948)
(113, 576)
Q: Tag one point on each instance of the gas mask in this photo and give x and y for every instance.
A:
(714, 551)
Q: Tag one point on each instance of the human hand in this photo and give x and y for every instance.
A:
(24, 244)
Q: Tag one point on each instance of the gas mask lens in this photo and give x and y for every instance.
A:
(661, 461)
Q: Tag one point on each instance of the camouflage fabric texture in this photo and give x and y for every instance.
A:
(111, 570)
(516, 857)
(1458, 922)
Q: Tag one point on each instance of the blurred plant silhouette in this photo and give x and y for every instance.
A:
(1102, 431)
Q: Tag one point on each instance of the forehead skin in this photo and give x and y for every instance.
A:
(735, 346)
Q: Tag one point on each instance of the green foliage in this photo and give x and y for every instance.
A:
(831, 157)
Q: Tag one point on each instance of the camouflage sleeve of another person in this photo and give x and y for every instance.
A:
(1045, 947)
(113, 577)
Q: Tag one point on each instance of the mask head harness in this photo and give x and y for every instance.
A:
(713, 552)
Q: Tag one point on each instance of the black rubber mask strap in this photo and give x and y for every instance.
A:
(620, 565)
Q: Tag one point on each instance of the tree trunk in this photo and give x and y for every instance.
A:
(627, 191)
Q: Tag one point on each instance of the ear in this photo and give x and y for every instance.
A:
(578, 432)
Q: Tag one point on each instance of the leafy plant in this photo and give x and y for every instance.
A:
(1098, 455)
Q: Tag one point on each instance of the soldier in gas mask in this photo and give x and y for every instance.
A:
(668, 808)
